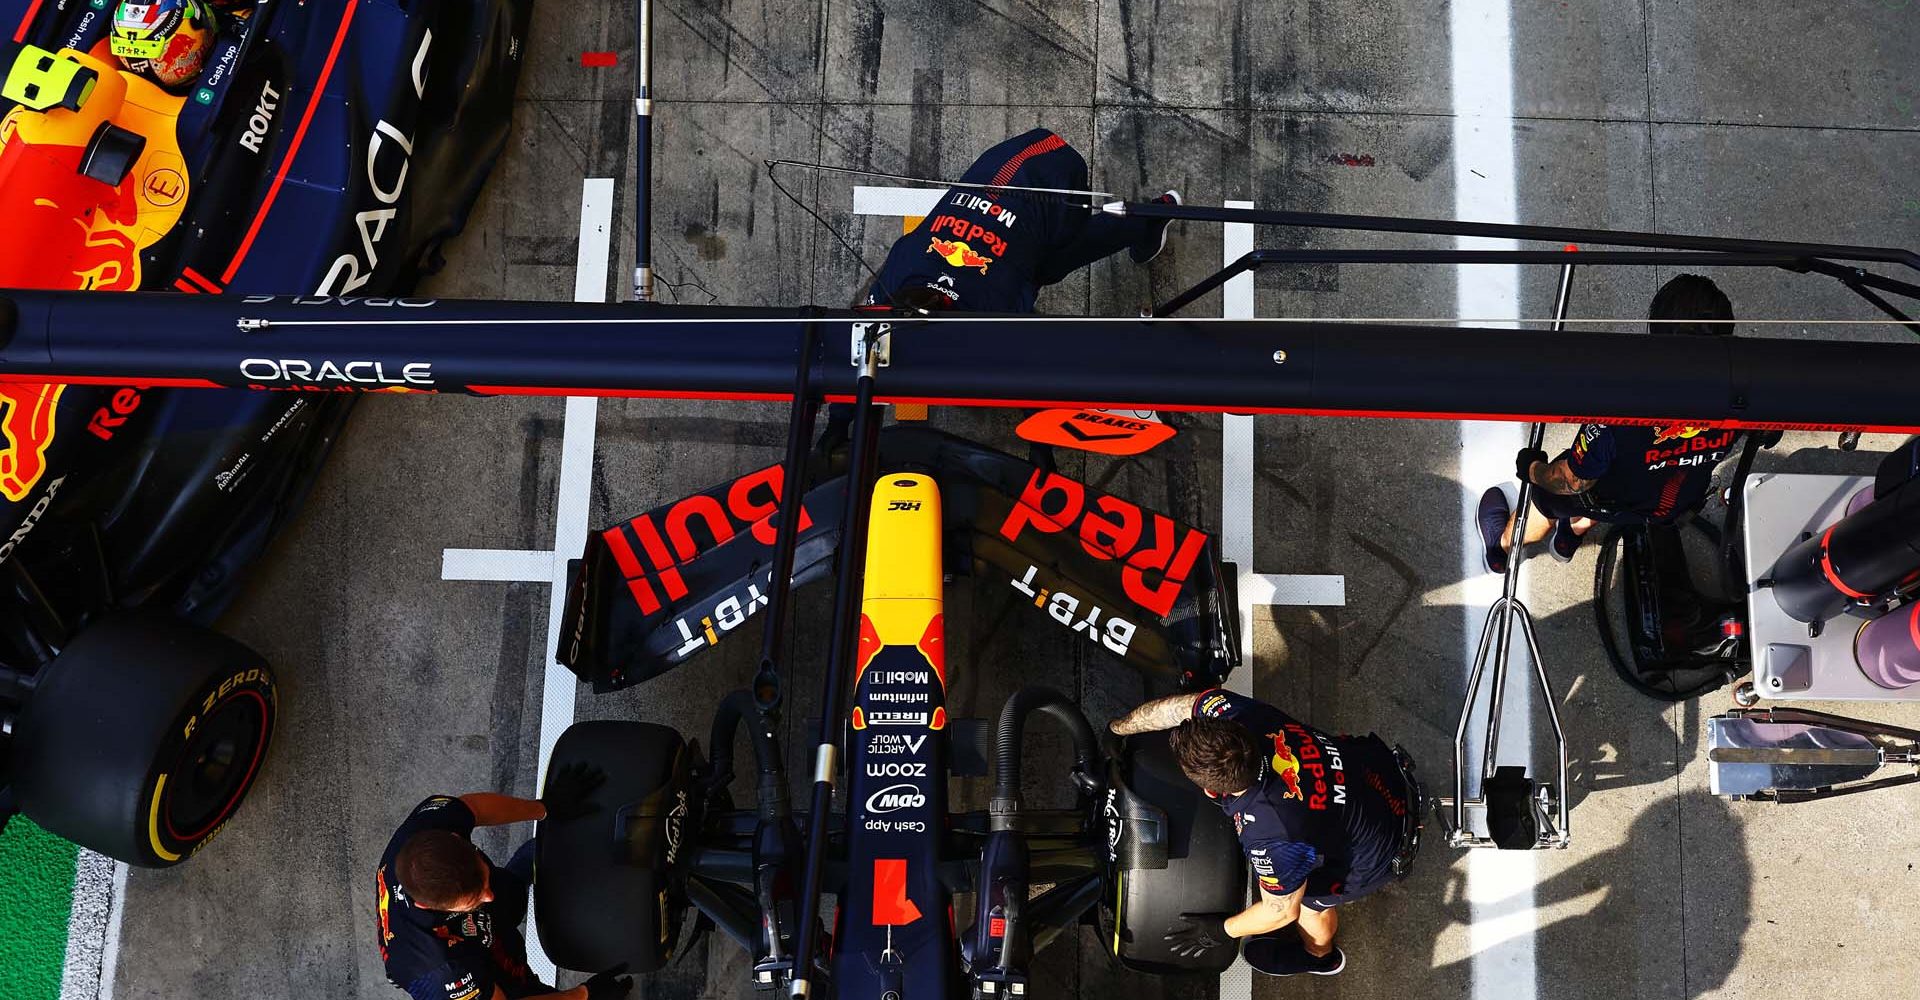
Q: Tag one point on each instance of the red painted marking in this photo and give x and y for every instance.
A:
(293, 148)
(20, 33)
(597, 59)
(182, 285)
(200, 279)
(1351, 159)
(890, 903)
(1571, 248)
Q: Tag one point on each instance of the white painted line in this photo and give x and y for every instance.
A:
(497, 565)
(1236, 514)
(1499, 884)
(1236, 455)
(900, 201)
(1294, 590)
(596, 240)
(110, 952)
(570, 518)
(90, 925)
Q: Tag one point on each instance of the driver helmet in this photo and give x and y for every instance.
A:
(166, 41)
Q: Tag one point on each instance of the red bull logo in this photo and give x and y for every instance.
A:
(28, 427)
(1286, 767)
(958, 254)
(1677, 432)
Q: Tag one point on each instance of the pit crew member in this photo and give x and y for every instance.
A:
(991, 249)
(448, 917)
(1615, 473)
(1324, 820)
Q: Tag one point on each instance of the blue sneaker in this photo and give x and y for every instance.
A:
(1150, 247)
(1492, 519)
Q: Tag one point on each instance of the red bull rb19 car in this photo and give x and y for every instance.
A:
(663, 840)
(319, 147)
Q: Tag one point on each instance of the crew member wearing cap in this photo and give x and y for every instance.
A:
(448, 917)
(1324, 820)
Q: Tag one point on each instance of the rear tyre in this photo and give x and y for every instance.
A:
(603, 891)
(1206, 871)
(143, 736)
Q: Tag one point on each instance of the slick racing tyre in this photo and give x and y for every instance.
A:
(603, 891)
(1205, 871)
(143, 736)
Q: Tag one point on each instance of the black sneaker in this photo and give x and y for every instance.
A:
(1492, 519)
(1149, 248)
(1283, 954)
(1565, 541)
(1329, 964)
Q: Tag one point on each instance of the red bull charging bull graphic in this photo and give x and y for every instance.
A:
(28, 426)
(958, 254)
(1286, 767)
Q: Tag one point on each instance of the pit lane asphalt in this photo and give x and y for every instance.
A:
(1705, 116)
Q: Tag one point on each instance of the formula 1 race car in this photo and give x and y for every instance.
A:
(323, 147)
(1140, 847)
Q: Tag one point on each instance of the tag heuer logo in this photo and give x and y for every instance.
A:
(203, 96)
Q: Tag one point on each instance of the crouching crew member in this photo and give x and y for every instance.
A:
(1620, 474)
(1324, 820)
(449, 918)
(992, 249)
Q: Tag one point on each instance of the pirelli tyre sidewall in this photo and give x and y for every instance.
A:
(143, 737)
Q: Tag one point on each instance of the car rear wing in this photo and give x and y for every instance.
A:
(655, 590)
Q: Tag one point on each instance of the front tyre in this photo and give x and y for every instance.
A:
(143, 736)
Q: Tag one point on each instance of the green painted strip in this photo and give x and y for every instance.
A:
(36, 893)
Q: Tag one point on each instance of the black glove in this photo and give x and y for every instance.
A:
(1203, 933)
(609, 985)
(567, 791)
(1523, 462)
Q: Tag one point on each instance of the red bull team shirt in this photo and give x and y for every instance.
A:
(1322, 809)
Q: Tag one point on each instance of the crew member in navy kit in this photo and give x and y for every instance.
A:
(992, 248)
(448, 917)
(1324, 820)
(1620, 474)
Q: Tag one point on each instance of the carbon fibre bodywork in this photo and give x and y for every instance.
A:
(329, 146)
